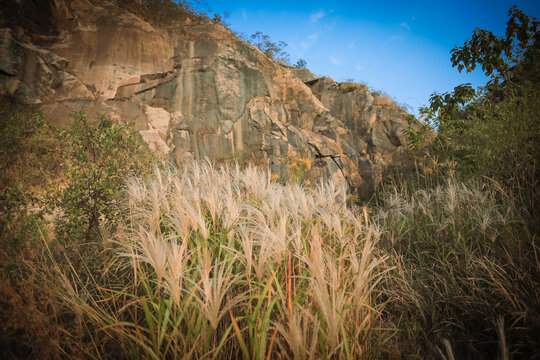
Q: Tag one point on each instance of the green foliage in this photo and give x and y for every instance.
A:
(499, 56)
(29, 150)
(300, 64)
(416, 137)
(275, 51)
(444, 108)
(29, 161)
(99, 158)
(465, 248)
(495, 131)
(20, 220)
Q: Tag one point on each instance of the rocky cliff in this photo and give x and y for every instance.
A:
(194, 90)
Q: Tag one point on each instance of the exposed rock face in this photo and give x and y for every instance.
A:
(304, 74)
(196, 91)
(376, 126)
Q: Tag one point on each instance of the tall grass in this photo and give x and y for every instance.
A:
(466, 282)
(224, 263)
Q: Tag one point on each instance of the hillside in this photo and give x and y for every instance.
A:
(195, 90)
(293, 216)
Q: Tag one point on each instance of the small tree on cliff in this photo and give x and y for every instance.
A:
(275, 51)
(300, 64)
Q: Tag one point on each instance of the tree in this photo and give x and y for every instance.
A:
(491, 132)
(99, 158)
(494, 131)
(300, 64)
(502, 57)
(275, 51)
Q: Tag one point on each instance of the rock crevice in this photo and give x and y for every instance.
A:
(197, 91)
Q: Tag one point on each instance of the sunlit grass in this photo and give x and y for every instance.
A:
(225, 263)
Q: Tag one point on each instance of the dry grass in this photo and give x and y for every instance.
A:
(224, 263)
(383, 100)
(466, 279)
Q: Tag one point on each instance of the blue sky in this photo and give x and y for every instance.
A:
(399, 47)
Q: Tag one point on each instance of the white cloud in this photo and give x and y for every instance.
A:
(317, 16)
(401, 31)
(334, 60)
(244, 14)
(359, 67)
(305, 44)
(405, 26)
(313, 37)
(350, 45)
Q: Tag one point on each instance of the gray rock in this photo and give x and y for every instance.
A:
(198, 91)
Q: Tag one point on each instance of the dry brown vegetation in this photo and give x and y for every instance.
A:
(383, 100)
(467, 272)
(224, 263)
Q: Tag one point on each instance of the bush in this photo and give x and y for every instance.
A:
(31, 156)
(100, 157)
(300, 64)
(165, 12)
(275, 51)
(495, 131)
(460, 220)
(30, 159)
(29, 151)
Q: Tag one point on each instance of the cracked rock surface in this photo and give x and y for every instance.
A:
(194, 91)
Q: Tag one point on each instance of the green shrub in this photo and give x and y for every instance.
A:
(459, 218)
(29, 151)
(100, 157)
(30, 159)
(494, 131)
(301, 64)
